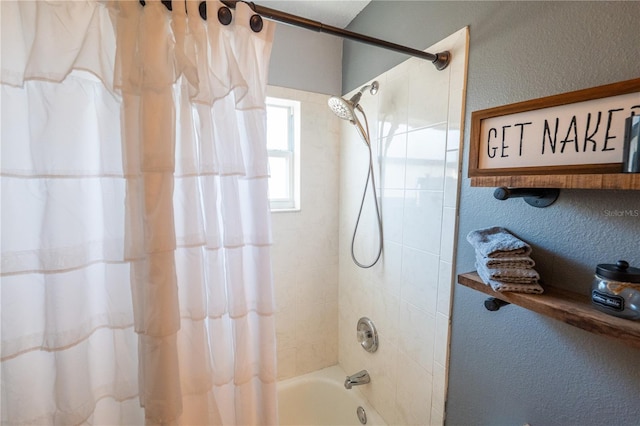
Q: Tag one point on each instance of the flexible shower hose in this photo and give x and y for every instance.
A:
(370, 177)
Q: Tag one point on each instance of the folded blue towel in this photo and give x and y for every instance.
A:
(497, 242)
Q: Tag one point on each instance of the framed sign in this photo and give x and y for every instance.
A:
(571, 133)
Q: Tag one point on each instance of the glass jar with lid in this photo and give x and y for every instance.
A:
(616, 290)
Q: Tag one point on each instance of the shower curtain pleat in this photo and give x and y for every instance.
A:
(135, 226)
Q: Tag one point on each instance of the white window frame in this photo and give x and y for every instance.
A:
(291, 154)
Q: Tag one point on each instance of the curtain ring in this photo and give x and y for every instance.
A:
(224, 15)
(167, 3)
(256, 23)
(202, 9)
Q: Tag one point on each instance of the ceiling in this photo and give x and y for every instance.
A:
(329, 12)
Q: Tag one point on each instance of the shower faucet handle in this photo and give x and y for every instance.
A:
(367, 335)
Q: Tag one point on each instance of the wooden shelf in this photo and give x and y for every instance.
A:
(566, 306)
(629, 181)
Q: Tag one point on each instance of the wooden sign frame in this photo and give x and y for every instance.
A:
(482, 116)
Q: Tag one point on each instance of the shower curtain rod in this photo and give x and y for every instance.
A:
(440, 60)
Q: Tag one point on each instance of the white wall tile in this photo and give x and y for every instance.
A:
(388, 274)
(413, 392)
(310, 358)
(419, 278)
(451, 178)
(422, 222)
(425, 165)
(445, 284)
(286, 363)
(382, 367)
(392, 204)
(385, 308)
(428, 96)
(448, 229)
(441, 339)
(408, 293)
(418, 332)
(437, 416)
(393, 154)
(394, 101)
(439, 385)
(306, 275)
(286, 327)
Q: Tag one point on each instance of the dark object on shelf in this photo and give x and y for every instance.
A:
(616, 290)
(631, 147)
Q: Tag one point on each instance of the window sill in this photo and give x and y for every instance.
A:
(292, 210)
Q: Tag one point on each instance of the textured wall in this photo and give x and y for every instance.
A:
(306, 60)
(514, 366)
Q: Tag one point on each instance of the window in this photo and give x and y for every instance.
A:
(283, 129)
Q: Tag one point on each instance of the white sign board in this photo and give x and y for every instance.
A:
(558, 131)
(588, 132)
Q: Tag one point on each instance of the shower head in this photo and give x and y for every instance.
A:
(342, 108)
(345, 109)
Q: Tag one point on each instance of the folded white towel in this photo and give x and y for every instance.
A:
(497, 242)
(515, 262)
(503, 286)
(520, 275)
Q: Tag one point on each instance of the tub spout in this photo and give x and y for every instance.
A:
(360, 378)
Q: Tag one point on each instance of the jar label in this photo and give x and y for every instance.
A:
(608, 301)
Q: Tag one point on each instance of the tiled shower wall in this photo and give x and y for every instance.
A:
(305, 246)
(415, 123)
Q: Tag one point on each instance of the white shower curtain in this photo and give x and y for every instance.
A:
(135, 220)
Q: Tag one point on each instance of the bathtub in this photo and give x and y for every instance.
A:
(320, 399)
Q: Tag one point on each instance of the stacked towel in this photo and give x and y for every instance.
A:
(503, 261)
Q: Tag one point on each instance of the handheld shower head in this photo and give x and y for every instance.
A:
(345, 109)
(342, 108)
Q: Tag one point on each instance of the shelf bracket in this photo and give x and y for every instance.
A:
(493, 304)
(536, 197)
